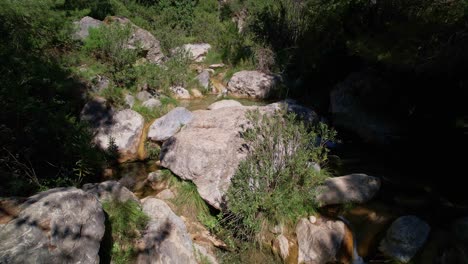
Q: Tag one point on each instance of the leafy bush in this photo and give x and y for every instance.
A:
(277, 182)
(109, 43)
(127, 221)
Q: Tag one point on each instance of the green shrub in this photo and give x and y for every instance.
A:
(109, 43)
(127, 221)
(277, 182)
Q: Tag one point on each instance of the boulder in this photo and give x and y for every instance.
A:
(121, 134)
(180, 92)
(196, 93)
(143, 96)
(292, 106)
(319, 242)
(167, 125)
(281, 245)
(224, 104)
(208, 150)
(366, 105)
(404, 238)
(353, 188)
(62, 225)
(204, 79)
(151, 103)
(129, 100)
(100, 83)
(197, 52)
(166, 239)
(142, 39)
(82, 27)
(110, 191)
(97, 113)
(253, 84)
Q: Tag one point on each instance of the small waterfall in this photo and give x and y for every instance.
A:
(356, 258)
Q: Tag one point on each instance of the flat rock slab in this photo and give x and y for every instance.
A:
(62, 225)
(110, 191)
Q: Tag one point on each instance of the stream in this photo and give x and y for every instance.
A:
(399, 195)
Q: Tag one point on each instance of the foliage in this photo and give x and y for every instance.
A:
(127, 221)
(277, 182)
(109, 44)
(153, 150)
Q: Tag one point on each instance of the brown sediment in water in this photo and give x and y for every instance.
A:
(369, 222)
(345, 255)
(293, 256)
(141, 153)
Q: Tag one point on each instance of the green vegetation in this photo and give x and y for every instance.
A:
(277, 182)
(127, 221)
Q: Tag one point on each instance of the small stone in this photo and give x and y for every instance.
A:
(312, 219)
(143, 96)
(152, 103)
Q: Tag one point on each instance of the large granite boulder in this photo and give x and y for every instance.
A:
(208, 150)
(353, 188)
(404, 238)
(166, 239)
(167, 125)
(119, 132)
(253, 84)
(83, 26)
(319, 241)
(63, 225)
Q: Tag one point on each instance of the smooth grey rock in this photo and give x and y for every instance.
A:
(166, 239)
(253, 84)
(167, 125)
(82, 27)
(404, 238)
(208, 150)
(292, 106)
(143, 96)
(319, 242)
(129, 100)
(125, 129)
(152, 103)
(204, 79)
(110, 191)
(180, 92)
(224, 104)
(62, 225)
(353, 188)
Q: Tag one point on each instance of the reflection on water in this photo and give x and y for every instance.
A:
(134, 176)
